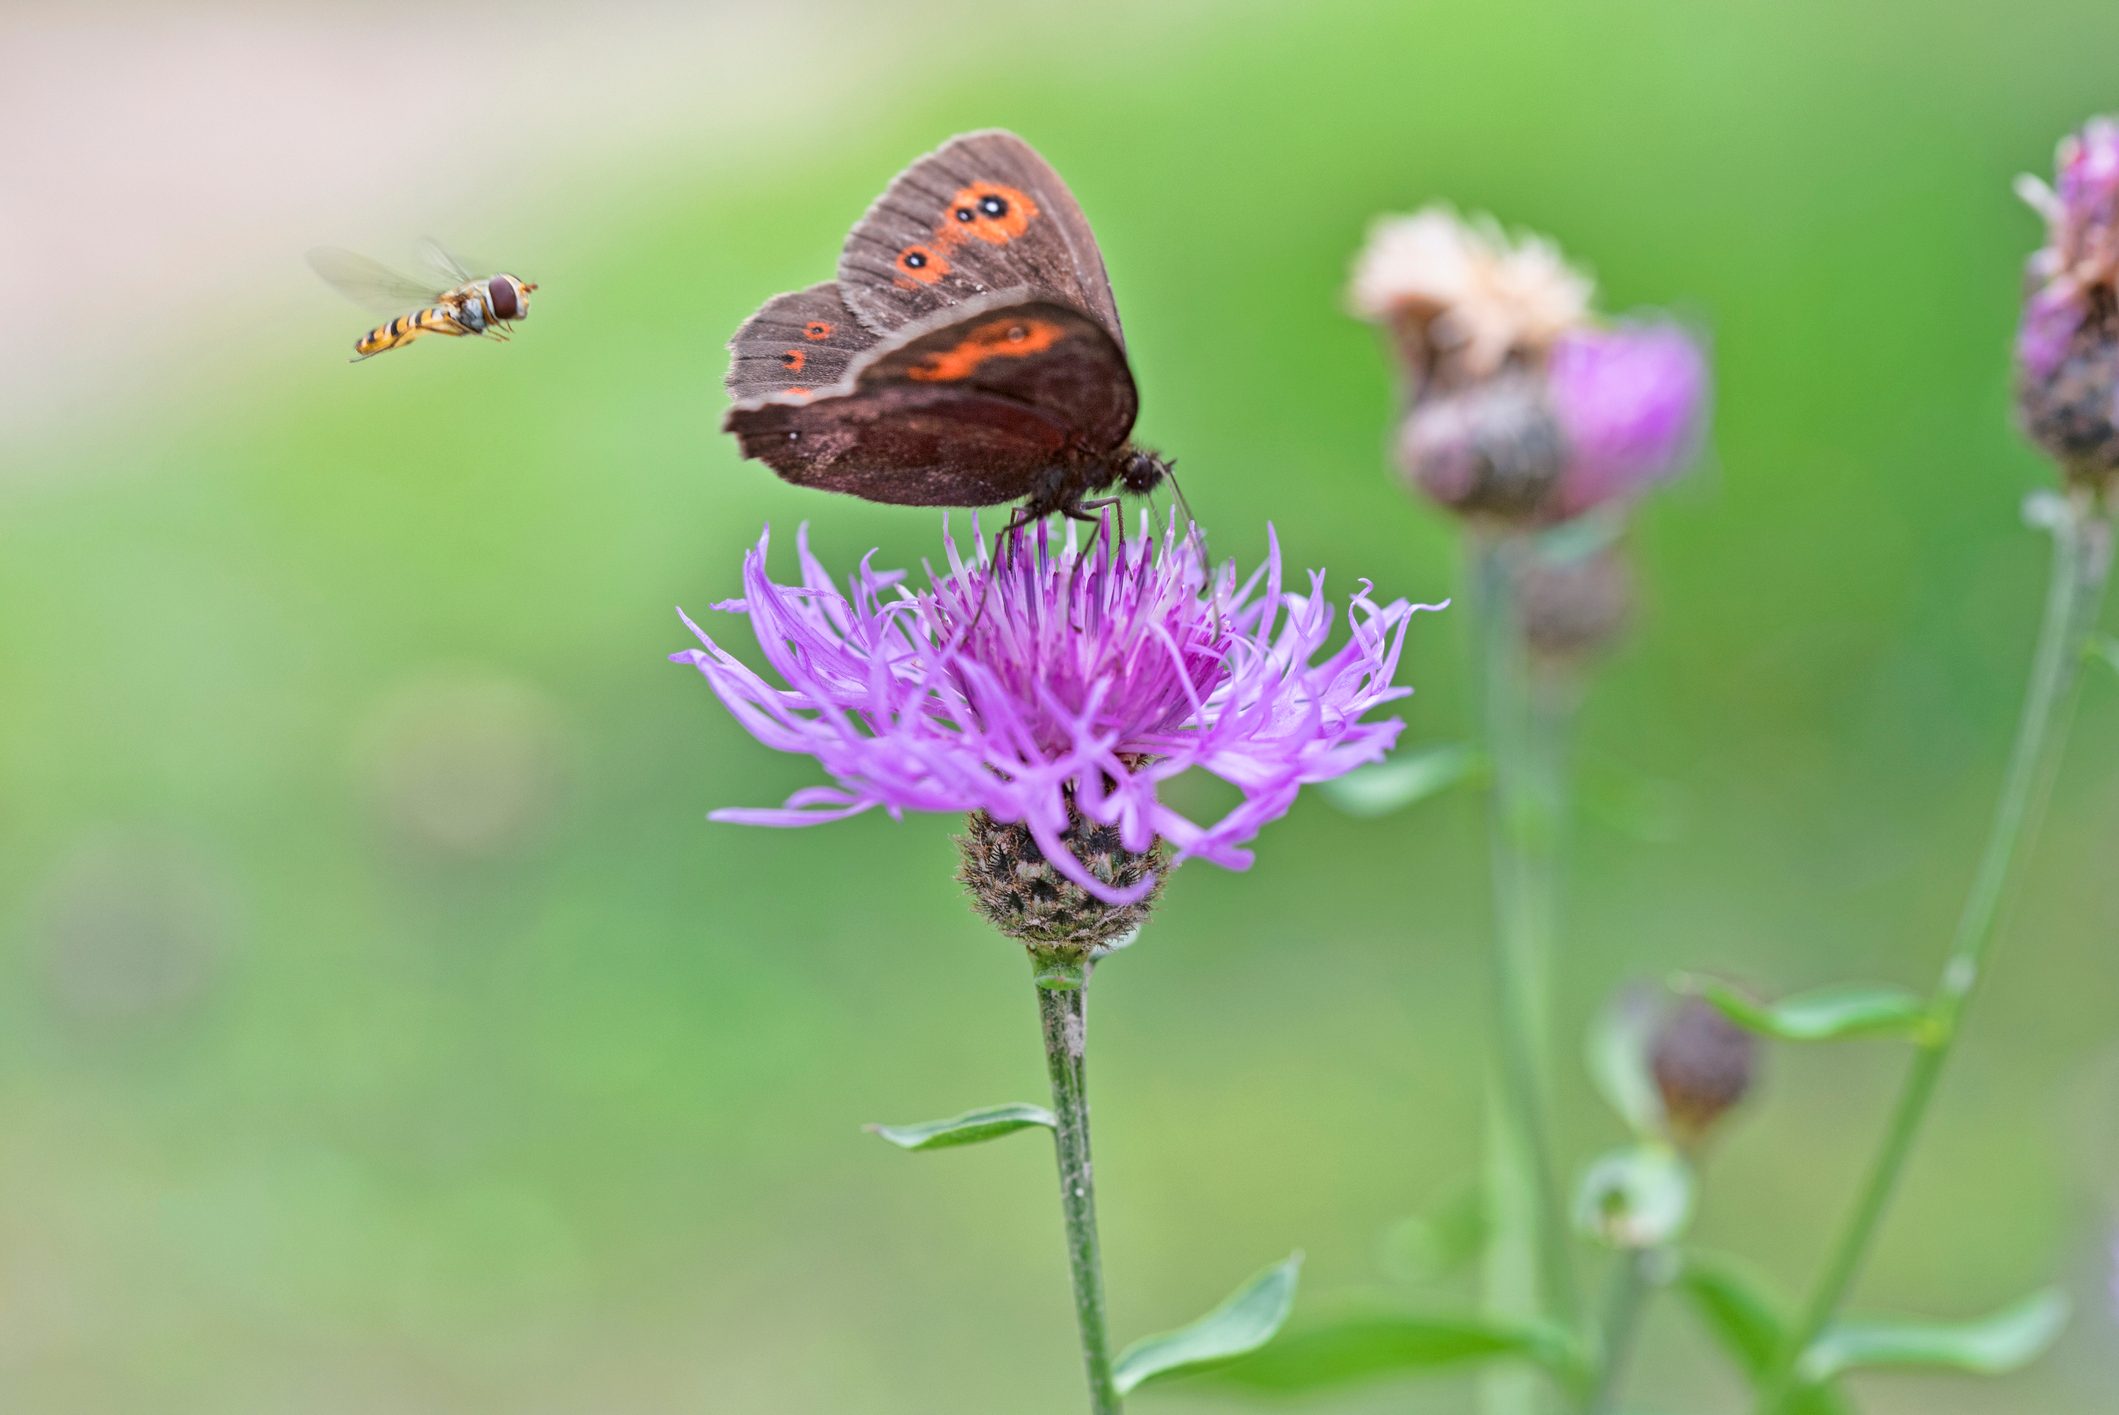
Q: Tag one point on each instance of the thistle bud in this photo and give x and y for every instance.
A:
(2067, 345)
(1017, 890)
(1573, 607)
(1703, 1064)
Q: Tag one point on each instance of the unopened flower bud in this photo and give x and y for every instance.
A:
(1703, 1064)
(1018, 891)
(1574, 606)
(2067, 345)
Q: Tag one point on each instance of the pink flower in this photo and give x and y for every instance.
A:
(1066, 678)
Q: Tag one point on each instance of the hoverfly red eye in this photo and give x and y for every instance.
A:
(501, 291)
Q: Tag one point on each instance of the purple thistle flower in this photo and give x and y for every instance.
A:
(2067, 343)
(1630, 402)
(1072, 685)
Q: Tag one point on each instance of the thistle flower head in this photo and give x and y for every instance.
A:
(1466, 290)
(1523, 408)
(2067, 345)
(1057, 688)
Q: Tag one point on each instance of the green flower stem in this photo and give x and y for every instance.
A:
(2081, 560)
(1062, 1004)
(1630, 1286)
(1524, 836)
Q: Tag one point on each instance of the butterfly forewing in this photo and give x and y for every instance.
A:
(971, 408)
(797, 343)
(982, 213)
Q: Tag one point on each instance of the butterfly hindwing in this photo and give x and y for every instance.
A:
(981, 213)
(797, 343)
(980, 404)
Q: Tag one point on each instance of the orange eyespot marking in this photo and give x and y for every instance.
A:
(1001, 339)
(796, 392)
(922, 264)
(794, 359)
(989, 211)
(817, 329)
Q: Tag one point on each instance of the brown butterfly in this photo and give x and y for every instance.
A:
(968, 354)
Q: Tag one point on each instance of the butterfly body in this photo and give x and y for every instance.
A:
(968, 354)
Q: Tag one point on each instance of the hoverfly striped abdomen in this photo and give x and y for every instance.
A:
(471, 306)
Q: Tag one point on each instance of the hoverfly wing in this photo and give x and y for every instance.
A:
(370, 284)
(445, 263)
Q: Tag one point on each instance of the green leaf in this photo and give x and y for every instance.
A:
(1366, 1345)
(1410, 776)
(1829, 1014)
(1737, 1312)
(1236, 1328)
(967, 1129)
(1638, 1197)
(1746, 1322)
(1989, 1346)
(1618, 1060)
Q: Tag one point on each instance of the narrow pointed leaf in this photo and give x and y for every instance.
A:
(1407, 777)
(1236, 1328)
(1746, 1322)
(966, 1129)
(1989, 1346)
(1828, 1014)
(1735, 1309)
(1372, 1345)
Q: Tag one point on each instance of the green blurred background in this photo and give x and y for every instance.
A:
(383, 1027)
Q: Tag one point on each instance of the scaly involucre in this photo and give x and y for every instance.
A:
(1081, 678)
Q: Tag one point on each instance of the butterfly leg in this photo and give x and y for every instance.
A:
(1093, 513)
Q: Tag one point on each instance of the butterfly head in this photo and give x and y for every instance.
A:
(1141, 471)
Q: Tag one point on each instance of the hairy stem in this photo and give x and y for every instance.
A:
(1523, 1182)
(2081, 559)
(1062, 1003)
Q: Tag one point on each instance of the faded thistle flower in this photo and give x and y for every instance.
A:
(2067, 346)
(1522, 407)
(1703, 1064)
(1048, 696)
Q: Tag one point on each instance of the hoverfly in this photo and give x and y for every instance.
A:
(461, 304)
